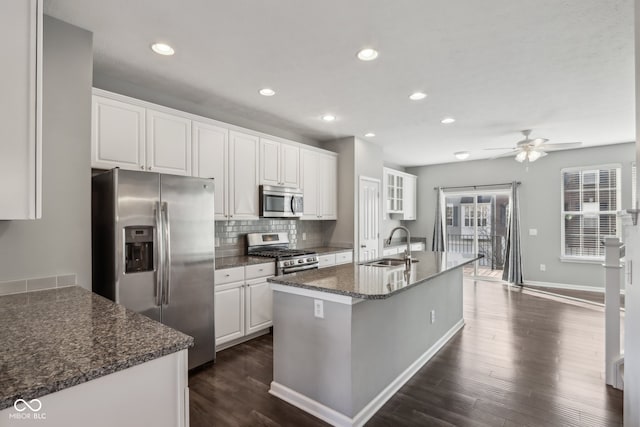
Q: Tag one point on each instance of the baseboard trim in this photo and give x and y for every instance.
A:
(568, 286)
(336, 418)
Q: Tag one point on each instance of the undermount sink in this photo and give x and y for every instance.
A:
(387, 262)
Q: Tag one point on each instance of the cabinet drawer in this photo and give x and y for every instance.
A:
(326, 260)
(229, 275)
(344, 257)
(260, 270)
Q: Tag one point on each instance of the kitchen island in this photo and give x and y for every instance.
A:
(77, 359)
(346, 338)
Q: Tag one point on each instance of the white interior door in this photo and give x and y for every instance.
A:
(369, 219)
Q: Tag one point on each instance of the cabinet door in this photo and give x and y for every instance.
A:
(290, 165)
(229, 312)
(259, 303)
(328, 187)
(269, 162)
(20, 124)
(168, 143)
(409, 194)
(211, 160)
(244, 168)
(310, 168)
(117, 134)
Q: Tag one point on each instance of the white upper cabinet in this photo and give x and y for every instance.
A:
(319, 185)
(410, 197)
(210, 153)
(168, 143)
(244, 167)
(279, 163)
(20, 110)
(328, 187)
(118, 134)
(269, 162)
(290, 165)
(127, 135)
(400, 193)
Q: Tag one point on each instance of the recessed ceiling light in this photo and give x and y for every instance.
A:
(417, 96)
(447, 120)
(367, 54)
(328, 117)
(162, 49)
(461, 155)
(369, 135)
(267, 92)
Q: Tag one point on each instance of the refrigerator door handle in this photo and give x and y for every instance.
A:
(167, 254)
(158, 255)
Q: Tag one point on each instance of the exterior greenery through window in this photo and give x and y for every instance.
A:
(590, 200)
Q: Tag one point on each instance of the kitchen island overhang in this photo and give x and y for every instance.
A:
(376, 330)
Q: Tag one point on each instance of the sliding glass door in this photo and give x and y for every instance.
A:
(476, 222)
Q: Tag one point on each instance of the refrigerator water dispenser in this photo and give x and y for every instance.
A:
(138, 253)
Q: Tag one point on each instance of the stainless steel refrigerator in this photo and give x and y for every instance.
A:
(153, 250)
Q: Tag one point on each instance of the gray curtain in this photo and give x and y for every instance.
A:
(513, 260)
(437, 244)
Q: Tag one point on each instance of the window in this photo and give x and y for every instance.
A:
(590, 201)
(449, 215)
(468, 215)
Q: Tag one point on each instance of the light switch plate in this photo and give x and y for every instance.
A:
(533, 232)
(318, 308)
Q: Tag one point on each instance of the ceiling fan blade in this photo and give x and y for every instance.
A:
(560, 146)
(536, 142)
(502, 148)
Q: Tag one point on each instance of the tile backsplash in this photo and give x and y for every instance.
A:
(231, 235)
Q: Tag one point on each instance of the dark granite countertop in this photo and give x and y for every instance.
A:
(58, 338)
(328, 249)
(369, 282)
(240, 261)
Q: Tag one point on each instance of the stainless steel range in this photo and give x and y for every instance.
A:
(276, 245)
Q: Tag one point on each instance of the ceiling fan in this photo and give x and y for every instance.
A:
(531, 149)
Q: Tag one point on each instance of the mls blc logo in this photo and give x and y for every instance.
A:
(27, 410)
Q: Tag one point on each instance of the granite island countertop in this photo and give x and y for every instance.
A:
(370, 282)
(58, 338)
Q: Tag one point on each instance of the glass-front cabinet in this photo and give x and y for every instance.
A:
(400, 197)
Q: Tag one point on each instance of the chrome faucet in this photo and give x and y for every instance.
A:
(407, 252)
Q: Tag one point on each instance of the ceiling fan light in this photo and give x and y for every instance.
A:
(521, 156)
(534, 155)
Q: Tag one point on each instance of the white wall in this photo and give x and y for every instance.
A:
(539, 203)
(60, 242)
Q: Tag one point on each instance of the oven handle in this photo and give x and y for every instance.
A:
(301, 268)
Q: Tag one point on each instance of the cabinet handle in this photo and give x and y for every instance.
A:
(149, 167)
(142, 167)
(227, 275)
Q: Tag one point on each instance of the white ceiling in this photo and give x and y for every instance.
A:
(564, 68)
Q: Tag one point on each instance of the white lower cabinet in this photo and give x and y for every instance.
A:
(258, 305)
(243, 302)
(229, 312)
(337, 258)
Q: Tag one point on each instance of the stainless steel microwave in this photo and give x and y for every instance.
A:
(280, 202)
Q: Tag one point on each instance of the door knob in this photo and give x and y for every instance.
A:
(363, 246)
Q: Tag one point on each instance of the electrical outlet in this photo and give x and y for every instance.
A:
(318, 308)
(533, 232)
(543, 267)
(304, 236)
(433, 316)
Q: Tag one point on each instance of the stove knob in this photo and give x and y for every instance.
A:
(288, 263)
(300, 261)
(309, 259)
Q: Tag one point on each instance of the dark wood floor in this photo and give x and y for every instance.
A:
(520, 360)
(593, 297)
